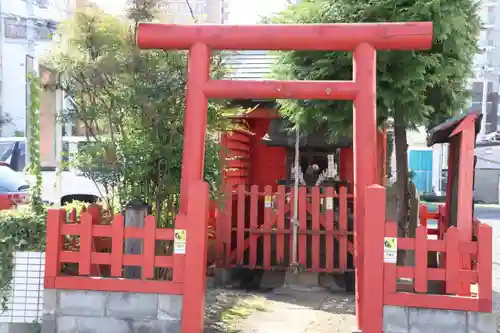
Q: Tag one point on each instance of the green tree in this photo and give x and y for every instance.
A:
(413, 88)
(131, 103)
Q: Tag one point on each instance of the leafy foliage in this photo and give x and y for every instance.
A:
(19, 231)
(34, 165)
(131, 104)
(413, 87)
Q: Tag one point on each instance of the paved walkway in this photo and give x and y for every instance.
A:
(281, 311)
(303, 312)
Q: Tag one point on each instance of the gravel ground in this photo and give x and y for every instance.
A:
(281, 311)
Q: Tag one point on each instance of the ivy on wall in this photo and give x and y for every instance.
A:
(24, 230)
(19, 231)
(34, 165)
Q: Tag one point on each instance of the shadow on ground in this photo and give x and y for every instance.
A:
(224, 307)
(335, 303)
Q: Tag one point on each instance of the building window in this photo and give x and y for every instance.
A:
(43, 31)
(490, 38)
(16, 28)
(491, 16)
(43, 3)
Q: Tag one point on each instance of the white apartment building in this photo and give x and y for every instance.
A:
(27, 27)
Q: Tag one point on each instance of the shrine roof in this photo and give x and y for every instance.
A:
(441, 133)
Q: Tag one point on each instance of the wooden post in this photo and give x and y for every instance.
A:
(135, 214)
(372, 307)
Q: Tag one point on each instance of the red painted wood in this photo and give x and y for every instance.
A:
(118, 285)
(226, 225)
(327, 37)
(343, 226)
(315, 253)
(446, 302)
(484, 269)
(452, 261)
(302, 241)
(55, 218)
(193, 303)
(85, 244)
(271, 89)
(117, 226)
(254, 202)
(238, 164)
(365, 151)
(237, 145)
(268, 215)
(329, 226)
(179, 260)
(240, 238)
(421, 259)
(280, 238)
(372, 307)
(423, 212)
(195, 120)
(346, 164)
(148, 265)
(390, 276)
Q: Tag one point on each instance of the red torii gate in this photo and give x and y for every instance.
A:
(362, 39)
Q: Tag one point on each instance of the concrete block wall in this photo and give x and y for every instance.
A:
(419, 320)
(74, 311)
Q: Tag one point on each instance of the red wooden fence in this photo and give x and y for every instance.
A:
(380, 287)
(254, 228)
(156, 257)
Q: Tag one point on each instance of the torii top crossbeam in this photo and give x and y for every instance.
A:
(319, 37)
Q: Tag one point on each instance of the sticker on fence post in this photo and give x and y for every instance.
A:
(329, 203)
(268, 201)
(180, 241)
(390, 249)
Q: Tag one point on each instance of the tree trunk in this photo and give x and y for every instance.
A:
(401, 145)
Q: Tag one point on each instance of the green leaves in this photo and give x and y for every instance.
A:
(417, 87)
(34, 142)
(131, 105)
(19, 231)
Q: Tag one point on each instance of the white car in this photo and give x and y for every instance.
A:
(74, 186)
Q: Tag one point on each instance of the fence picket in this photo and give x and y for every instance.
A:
(484, 269)
(268, 215)
(343, 227)
(329, 226)
(315, 239)
(85, 244)
(117, 245)
(240, 224)
(55, 219)
(302, 244)
(421, 259)
(452, 261)
(226, 229)
(149, 246)
(254, 210)
(280, 237)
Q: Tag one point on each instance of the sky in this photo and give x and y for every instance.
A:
(240, 11)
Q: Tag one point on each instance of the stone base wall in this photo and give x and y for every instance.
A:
(19, 328)
(72, 311)
(419, 320)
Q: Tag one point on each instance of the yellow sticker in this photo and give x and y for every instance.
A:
(268, 201)
(390, 249)
(180, 236)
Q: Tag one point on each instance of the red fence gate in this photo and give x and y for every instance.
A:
(254, 229)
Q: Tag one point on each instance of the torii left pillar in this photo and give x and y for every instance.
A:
(361, 39)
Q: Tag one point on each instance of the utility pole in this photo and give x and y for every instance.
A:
(484, 103)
